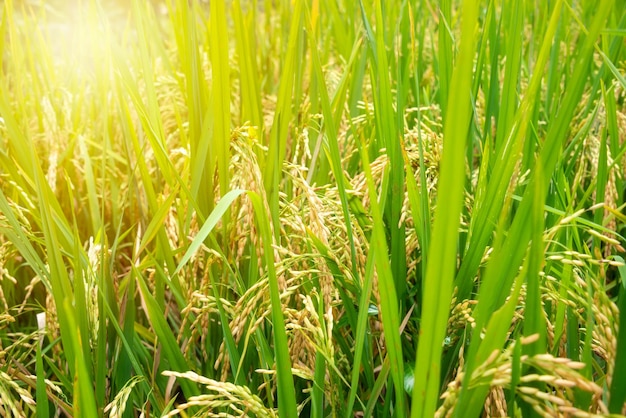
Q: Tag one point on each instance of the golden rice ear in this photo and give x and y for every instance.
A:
(237, 399)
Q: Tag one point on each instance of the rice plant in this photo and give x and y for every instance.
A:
(312, 208)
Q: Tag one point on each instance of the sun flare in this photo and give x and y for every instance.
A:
(83, 37)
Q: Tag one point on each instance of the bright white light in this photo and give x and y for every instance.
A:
(79, 38)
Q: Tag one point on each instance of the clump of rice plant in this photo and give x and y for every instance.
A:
(312, 208)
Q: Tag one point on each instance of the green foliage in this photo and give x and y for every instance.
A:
(312, 208)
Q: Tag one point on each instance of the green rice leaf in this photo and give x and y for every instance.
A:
(442, 256)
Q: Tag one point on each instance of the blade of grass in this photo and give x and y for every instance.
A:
(387, 134)
(43, 407)
(282, 116)
(617, 398)
(418, 200)
(498, 323)
(84, 400)
(513, 50)
(183, 20)
(251, 108)
(171, 351)
(489, 204)
(286, 389)
(362, 345)
(388, 297)
(215, 216)
(220, 94)
(286, 392)
(445, 55)
(377, 389)
(505, 261)
(332, 149)
(442, 256)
